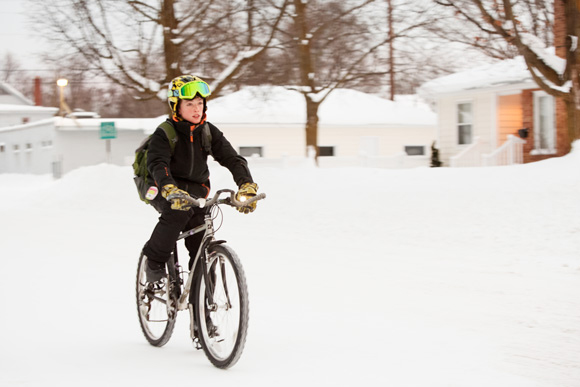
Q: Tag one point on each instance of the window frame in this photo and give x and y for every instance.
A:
(324, 148)
(260, 149)
(459, 125)
(423, 150)
(551, 146)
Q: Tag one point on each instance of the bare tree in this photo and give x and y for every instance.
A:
(142, 44)
(338, 44)
(10, 66)
(524, 27)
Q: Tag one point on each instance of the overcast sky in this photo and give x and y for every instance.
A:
(16, 36)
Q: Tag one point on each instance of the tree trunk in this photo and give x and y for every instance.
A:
(170, 49)
(391, 51)
(312, 125)
(307, 74)
(572, 12)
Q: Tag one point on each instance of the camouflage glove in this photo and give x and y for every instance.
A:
(246, 191)
(177, 197)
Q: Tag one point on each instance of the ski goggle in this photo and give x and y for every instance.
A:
(190, 90)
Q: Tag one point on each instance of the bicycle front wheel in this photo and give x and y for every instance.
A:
(223, 323)
(156, 307)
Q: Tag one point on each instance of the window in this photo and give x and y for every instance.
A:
(46, 143)
(415, 150)
(465, 123)
(249, 151)
(28, 147)
(544, 127)
(2, 148)
(16, 148)
(326, 150)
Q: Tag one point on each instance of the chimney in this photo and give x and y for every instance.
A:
(37, 92)
(560, 28)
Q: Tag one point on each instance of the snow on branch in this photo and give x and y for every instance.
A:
(546, 55)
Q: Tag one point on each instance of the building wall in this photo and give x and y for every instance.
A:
(510, 116)
(351, 141)
(275, 140)
(290, 140)
(484, 123)
(27, 148)
(78, 148)
(562, 141)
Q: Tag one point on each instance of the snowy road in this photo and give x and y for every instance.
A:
(431, 277)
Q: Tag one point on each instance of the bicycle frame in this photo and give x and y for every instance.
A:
(207, 240)
(200, 258)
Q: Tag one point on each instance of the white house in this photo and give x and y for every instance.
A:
(270, 120)
(265, 121)
(80, 142)
(495, 114)
(26, 134)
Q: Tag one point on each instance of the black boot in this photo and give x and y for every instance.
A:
(155, 271)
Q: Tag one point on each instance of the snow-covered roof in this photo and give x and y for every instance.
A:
(11, 108)
(7, 89)
(147, 124)
(278, 105)
(506, 72)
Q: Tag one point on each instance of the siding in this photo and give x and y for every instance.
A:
(289, 140)
(34, 153)
(484, 123)
(348, 140)
(510, 116)
(275, 140)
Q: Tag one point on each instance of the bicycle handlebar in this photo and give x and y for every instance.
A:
(230, 201)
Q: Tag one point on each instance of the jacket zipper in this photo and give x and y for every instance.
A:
(191, 128)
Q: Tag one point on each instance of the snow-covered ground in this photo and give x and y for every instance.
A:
(358, 277)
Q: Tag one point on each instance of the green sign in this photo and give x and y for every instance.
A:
(108, 130)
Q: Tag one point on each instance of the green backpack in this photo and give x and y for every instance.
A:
(147, 189)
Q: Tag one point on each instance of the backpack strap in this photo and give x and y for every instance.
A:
(206, 138)
(170, 133)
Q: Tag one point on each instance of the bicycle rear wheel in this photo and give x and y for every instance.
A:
(222, 326)
(156, 307)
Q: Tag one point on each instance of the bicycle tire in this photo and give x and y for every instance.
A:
(157, 310)
(224, 348)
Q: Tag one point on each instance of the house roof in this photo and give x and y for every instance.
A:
(6, 89)
(11, 108)
(278, 105)
(507, 72)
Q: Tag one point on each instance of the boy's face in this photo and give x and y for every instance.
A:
(191, 109)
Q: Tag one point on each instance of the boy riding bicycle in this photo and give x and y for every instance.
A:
(184, 172)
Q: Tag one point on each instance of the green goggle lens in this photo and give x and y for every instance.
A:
(189, 90)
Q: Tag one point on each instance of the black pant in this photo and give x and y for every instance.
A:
(171, 224)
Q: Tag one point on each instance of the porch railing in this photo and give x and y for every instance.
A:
(509, 153)
(469, 157)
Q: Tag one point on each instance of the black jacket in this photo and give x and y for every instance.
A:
(187, 167)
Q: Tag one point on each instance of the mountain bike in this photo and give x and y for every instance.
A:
(213, 288)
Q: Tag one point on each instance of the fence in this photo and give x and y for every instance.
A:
(469, 157)
(511, 152)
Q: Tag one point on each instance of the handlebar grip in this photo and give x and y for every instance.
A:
(231, 200)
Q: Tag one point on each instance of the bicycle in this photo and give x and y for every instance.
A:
(214, 290)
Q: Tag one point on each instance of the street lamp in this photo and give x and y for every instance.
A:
(63, 106)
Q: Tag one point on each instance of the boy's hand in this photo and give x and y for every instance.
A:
(177, 197)
(246, 191)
